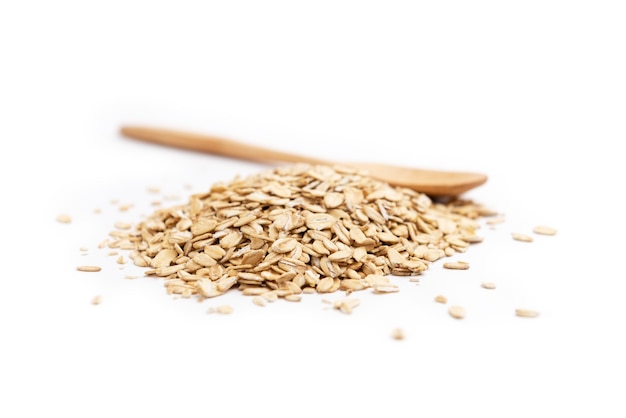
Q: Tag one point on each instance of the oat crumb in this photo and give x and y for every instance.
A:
(64, 218)
(441, 299)
(224, 309)
(397, 334)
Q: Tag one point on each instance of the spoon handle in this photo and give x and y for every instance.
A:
(213, 145)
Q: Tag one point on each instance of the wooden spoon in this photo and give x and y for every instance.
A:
(430, 182)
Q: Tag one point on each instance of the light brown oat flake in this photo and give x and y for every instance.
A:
(544, 230)
(496, 221)
(122, 225)
(224, 309)
(96, 300)
(346, 305)
(457, 312)
(441, 299)
(526, 313)
(397, 334)
(456, 265)
(259, 301)
(88, 268)
(522, 237)
(64, 218)
(386, 288)
(488, 285)
(472, 239)
(270, 296)
(254, 290)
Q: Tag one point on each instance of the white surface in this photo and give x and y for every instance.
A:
(531, 93)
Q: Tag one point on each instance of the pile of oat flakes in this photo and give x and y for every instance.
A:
(299, 229)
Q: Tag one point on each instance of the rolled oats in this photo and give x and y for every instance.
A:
(298, 229)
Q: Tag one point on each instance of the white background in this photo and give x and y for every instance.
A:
(531, 93)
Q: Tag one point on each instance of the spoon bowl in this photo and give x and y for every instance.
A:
(431, 182)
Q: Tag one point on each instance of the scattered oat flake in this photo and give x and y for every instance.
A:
(121, 260)
(346, 305)
(131, 277)
(153, 190)
(386, 288)
(457, 312)
(488, 285)
(397, 334)
(83, 249)
(88, 268)
(258, 300)
(441, 299)
(544, 230)
(64, 219)
(224, 309)
(456, 265)
(496, 221)
(522, 237)
(96, 300)
(526, 313)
